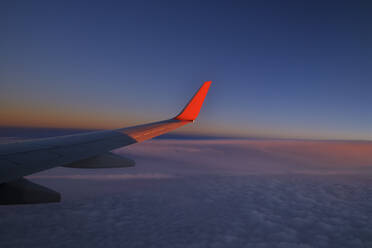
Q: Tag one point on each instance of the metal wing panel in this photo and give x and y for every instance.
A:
(33, 156)
(82, 151)
(46, 143)
(21, 159)
(148, 131)
(25, 163)
(6, 169)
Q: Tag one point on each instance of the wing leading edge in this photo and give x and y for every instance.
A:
(24, 158)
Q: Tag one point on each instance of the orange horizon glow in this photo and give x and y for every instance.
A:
(51, 116)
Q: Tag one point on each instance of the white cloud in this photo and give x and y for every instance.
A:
(214, 194)
(197, 211)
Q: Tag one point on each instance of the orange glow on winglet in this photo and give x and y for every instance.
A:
(192, 109)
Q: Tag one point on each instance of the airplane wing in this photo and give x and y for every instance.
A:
(88, 150)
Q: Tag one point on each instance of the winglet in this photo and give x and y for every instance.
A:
(192, 109)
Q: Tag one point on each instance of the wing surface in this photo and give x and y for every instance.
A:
(25, 158)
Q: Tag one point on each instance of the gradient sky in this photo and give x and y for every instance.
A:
(280, 68)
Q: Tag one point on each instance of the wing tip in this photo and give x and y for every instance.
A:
(192, 109)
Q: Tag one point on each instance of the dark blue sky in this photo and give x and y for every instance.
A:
(280, 68)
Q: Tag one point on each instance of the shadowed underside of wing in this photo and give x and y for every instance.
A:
(25, 158)
(104, 161)
(22, 191)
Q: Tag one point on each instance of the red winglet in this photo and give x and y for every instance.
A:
(192, 109)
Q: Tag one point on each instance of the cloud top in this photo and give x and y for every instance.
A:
(255, 156)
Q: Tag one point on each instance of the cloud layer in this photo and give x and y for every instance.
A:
(216, 193)
(202, 211)
(254, 156)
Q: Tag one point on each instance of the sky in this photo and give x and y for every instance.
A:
(287, 69)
